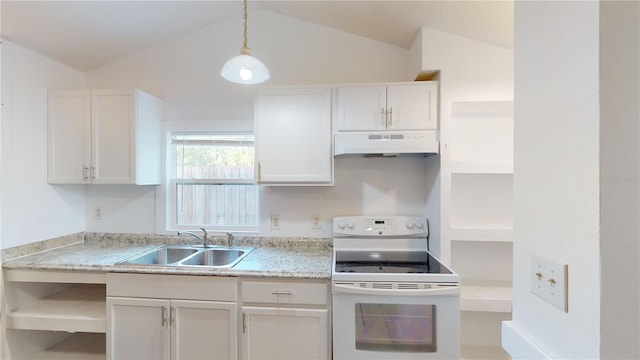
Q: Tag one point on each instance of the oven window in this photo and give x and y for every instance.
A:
(396, 327)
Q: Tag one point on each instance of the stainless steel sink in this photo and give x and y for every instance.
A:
(162, 256)
(176, 255)
(215, 257)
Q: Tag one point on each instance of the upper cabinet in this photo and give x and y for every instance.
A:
(104, 137)
(394, 106)
(293, 136)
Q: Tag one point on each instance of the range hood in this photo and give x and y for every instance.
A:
(386, 143)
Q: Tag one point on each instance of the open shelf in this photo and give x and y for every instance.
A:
(55, 276)
(80, 346)
(80, 308)
(490, 296)
(481, 234)
(481, 167)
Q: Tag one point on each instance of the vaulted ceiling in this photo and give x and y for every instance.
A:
(88, 34)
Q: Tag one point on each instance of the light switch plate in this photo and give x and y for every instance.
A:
(549, 281)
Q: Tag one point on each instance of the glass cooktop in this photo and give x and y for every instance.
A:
(404, 262)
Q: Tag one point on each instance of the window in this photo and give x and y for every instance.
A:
(212, 181)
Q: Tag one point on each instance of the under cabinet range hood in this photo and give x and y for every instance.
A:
(386, 143)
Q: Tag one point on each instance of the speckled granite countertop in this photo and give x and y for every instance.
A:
(272, 257)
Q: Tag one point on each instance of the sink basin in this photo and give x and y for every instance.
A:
(161, 256)
(215, 257)
(176, 255)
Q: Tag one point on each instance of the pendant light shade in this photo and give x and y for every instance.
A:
(244, 68)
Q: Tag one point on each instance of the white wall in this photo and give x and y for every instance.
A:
(556, 180)
(620, 171)
(367, 186)
(185, 73)
(32, 210)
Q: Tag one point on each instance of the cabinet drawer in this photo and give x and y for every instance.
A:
(160, 286)
(285, 293)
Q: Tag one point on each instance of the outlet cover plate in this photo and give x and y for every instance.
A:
(275, 222)
(549, 281)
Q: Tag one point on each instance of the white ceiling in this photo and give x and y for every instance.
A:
(88, 34)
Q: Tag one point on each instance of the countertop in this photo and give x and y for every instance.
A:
(275, 258)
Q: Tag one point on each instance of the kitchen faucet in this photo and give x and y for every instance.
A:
(229, 240)
(204, 240)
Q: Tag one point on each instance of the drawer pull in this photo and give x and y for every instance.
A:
(286, 292)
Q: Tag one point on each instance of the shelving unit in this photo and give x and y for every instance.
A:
(81, 346)
(482, 167)
(76, 308)
(55, 314)
(477, 218)
(491, 296)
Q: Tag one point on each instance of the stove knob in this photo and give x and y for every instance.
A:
(351, 225)
(409, 224)
(341, 225)
(419, 225)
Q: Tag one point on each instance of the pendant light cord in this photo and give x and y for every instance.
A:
(244, 43)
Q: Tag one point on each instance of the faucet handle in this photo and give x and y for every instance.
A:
(229, 240)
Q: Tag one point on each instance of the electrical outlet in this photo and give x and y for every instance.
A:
(549, 281)
(315, 222)
(275, 222)
(97, 214)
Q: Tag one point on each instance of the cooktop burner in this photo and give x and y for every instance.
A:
(404, 262)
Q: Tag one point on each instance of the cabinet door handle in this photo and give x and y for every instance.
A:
(259, 171)
(93, 172)
(164, 316)
(244, 322)
(282, 292)
(383, 115)
(85, 168)
(172, 316)
(390, 116)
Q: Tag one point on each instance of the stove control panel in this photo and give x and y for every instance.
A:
(380, 226)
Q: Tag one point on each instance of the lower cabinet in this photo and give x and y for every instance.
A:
(159, 316)
(150, 322)
(285, 320)
(284, 333)
(169, 329)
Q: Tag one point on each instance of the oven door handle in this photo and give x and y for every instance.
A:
(435, 291)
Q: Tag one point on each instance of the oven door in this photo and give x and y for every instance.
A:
(392, 323)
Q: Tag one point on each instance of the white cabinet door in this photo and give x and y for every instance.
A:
(69, 137)
(293, 136)
(137, 328)
(285, 333)
(361, 108)
(104, 137)
(203, 330)
(412, 107)
(140, 328)
(113, 137)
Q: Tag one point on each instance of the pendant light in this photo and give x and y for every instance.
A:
(244, 68)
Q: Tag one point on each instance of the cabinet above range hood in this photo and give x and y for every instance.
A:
(387, 119)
